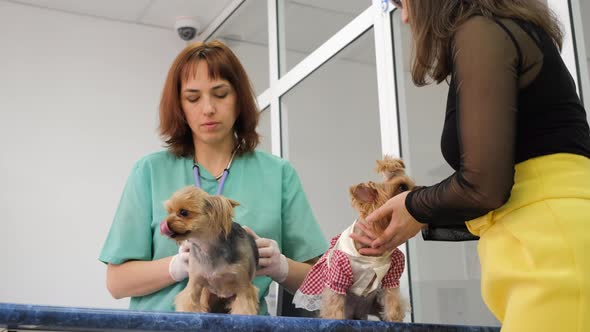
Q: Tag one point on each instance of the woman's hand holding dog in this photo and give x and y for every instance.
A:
(401, 228)
(272, 263)
(178, 268)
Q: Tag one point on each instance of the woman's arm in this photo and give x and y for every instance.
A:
(138, 278)
(485, 69)
(302, 236)
(297, 273)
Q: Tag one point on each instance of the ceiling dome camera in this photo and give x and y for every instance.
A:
(187, 27)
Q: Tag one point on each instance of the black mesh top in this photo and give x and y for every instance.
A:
(511, 98)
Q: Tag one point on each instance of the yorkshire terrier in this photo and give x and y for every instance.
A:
(344, 284)
(223, 256)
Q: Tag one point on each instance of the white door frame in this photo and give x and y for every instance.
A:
(574, 53)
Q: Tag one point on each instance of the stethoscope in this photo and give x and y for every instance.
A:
(221, 178)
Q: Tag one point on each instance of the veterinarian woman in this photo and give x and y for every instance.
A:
(208, 116)
(517, 136)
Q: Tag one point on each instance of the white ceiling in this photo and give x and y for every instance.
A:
(322, 18)
(162, 13)
(155, 13)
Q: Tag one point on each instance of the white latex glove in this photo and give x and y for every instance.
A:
(272, 263)
(178, 268)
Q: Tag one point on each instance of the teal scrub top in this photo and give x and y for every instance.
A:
(272, 203)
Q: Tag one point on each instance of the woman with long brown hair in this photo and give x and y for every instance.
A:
(208, 120)
(517, 136)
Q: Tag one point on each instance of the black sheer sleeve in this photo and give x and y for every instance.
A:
(485, 69)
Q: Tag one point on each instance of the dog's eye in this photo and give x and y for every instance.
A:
(183, 212)
(403, 188)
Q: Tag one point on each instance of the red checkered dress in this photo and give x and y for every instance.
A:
(339, 277)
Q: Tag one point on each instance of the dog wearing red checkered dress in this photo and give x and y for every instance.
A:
(344, 284)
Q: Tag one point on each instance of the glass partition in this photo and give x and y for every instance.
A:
(585, 8)
(330, 124)
(304, 25)
(248, 38)
(264, 131)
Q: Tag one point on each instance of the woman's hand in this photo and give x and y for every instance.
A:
(401, 228)
(178, 268)
(272, 263)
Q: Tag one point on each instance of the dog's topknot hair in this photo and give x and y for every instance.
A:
(390, 167)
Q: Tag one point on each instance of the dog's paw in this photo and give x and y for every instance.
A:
(185, 301)
(246, 302)
(394, 305)
(332, 305)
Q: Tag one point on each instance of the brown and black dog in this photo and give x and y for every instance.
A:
(223, 256)
(344, 284)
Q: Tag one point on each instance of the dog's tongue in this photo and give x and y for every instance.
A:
(164, 229)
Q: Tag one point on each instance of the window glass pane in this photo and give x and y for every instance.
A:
(331, 121)
(585, 7)
(306, 24)
(264, 131)
(248, 38)
(266, 146)
(445, 276)
(575, 53)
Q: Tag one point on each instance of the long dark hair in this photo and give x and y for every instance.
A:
(434, 22)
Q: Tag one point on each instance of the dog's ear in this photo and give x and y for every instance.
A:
(233, 203)
(168, 205)
(220, 212)
(363, 193)
(390, 167)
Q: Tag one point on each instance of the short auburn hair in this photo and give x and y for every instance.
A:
(222, 63)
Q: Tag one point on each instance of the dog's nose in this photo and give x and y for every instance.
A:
(164, 229)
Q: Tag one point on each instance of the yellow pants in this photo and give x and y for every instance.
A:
(535, 250)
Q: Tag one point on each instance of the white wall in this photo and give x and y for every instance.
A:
(78, 105)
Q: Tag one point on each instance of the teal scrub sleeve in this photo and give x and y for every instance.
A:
(302, 238)
(130, 236)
